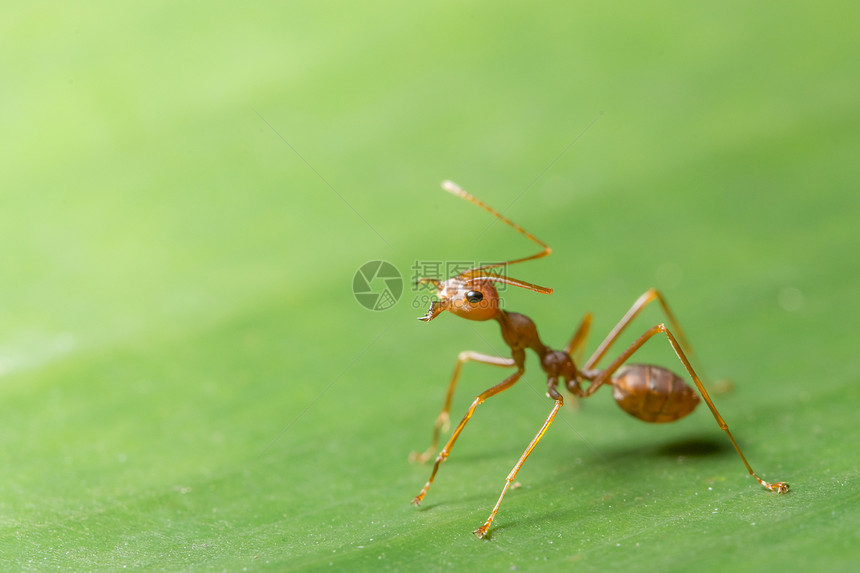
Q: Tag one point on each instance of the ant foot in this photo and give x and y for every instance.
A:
(416, 501)
(482, 531)
(779, 487)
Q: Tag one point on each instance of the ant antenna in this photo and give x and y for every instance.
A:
(476, 273)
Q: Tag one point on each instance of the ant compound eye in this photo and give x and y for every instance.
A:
(474, 296)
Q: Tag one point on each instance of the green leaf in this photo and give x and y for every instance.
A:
(188, 382)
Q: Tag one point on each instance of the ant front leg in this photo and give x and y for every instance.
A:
(443, 420)
(446, 451)
(604, 376)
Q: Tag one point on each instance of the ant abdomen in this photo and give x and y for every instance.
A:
(652, 393)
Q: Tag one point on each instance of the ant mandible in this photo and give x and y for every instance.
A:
(650, 393)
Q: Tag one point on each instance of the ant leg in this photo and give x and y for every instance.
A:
(443, 420)
(647, 298)
(577, 343)
(559, 401)
(778, 487)
(443, 455)
(574, 349)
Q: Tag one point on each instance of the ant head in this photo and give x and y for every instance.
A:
(472, 298)
(472, 294)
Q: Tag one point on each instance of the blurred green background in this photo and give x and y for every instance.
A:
(187, 382)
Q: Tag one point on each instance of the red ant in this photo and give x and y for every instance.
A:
(650, 393)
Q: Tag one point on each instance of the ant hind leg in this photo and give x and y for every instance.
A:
(606, 375)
